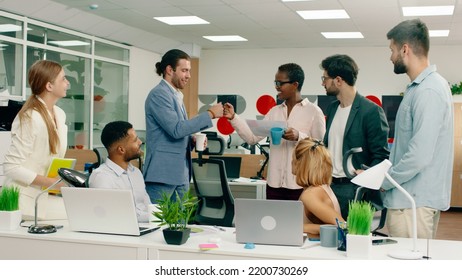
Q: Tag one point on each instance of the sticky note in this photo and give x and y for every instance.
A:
(207, 246)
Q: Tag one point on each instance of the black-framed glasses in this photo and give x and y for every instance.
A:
(324, 78)
(281, 83)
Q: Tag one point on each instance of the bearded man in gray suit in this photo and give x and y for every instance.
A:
(169, 132)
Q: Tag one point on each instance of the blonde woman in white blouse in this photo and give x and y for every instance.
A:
(38, 134)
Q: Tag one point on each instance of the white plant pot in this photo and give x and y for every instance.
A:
(358, 246)
(10, 220)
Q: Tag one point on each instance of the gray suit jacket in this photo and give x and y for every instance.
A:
(168, 137)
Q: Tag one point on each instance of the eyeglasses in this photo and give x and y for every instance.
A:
(324, 78)
(281, 83)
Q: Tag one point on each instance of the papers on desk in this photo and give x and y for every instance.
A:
(263, 127)
(247, 180)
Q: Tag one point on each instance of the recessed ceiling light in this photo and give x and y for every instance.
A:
(69, 43)
(184, 20)
(226, 38)
(323, 14)
(428, 11)
(439, 33)
(10, 28)
(342, 35)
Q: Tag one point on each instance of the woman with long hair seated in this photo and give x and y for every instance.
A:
(312, 166)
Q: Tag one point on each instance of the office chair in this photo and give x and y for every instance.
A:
(216, 203)
(215, 143)
(101, 154)
(380, 216)
(372, 196)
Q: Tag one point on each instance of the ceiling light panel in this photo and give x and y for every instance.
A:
(323, 14)
(438, 33)
(183, 20)
(227, 38)
(428, 11)
(342, 35)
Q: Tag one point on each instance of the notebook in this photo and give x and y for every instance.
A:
(274, 222)
(110, 211)
(57, 163)
(232, 166)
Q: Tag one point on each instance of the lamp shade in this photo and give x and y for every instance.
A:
(73, 177)
(373, 177)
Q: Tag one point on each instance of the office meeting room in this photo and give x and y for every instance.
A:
(262, 139)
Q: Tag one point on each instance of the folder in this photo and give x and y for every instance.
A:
(57, 163)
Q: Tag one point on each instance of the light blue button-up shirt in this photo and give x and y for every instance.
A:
(109, 175)
(423, 151)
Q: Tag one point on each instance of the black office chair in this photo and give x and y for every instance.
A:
(216, 203)
(372, 196)
(101, 155)
(215, 143)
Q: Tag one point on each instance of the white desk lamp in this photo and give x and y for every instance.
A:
(372, 178)
(71, 177)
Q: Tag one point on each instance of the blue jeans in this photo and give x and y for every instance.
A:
(155, 191)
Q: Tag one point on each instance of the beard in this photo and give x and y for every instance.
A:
(332, 92)
(132, 156)
(399, 67)
(177, 82)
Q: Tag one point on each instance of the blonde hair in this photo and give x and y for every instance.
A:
(41, 73)
(312, 163)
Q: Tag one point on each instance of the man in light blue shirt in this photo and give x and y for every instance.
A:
(422, 155)
(123, 145)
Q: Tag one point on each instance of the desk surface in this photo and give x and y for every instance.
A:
(66, 244)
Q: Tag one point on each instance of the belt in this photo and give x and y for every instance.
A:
(342, 180)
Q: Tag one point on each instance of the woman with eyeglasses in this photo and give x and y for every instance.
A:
(302, 119)
(312, 167)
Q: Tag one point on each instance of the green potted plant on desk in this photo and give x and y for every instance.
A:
(359, 237)
(176, 215)
(10, 215)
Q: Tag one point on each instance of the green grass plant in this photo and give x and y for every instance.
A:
(360, 217)
(9, 198)
(175, 214)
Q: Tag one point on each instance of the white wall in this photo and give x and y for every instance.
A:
(250, 73)
(143, 78)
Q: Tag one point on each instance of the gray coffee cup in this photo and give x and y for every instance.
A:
(328, 235)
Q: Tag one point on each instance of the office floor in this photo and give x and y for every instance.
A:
(450, 226)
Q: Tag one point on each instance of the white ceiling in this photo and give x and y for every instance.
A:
(265, 23)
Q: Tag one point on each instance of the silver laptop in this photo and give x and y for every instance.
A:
(275, 222)
(102, 211)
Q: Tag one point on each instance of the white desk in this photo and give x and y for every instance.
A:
(74, 245)
(251, 189)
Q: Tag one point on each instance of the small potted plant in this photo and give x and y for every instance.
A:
(176, 215)
(456, 89)
(10, 215)
(359, 237)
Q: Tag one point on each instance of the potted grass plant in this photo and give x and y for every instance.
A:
(10, 215)
(175, 215)
(359, 237)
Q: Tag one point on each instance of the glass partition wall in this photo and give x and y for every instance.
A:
(97, 70)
